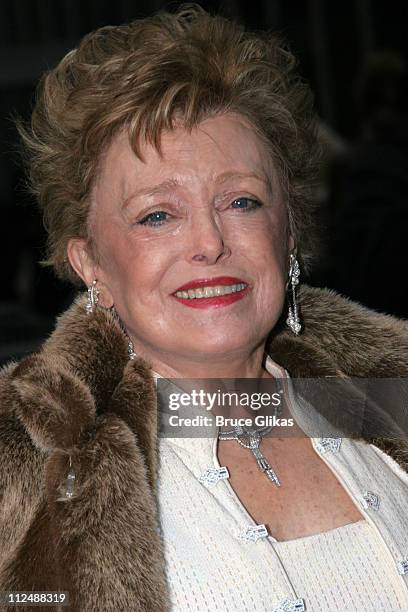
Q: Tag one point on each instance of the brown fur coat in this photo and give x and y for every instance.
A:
(81, 396)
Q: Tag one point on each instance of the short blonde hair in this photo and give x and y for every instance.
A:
(145, 75)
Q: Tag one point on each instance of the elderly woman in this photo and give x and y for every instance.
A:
(173, 158)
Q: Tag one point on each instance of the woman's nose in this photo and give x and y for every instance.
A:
(207, 242)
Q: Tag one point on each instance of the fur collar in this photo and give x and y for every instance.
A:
(80, 397)
(83, 369)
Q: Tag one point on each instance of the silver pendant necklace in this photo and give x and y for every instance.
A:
(252, 438)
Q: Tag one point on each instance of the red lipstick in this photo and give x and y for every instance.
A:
(215, 301)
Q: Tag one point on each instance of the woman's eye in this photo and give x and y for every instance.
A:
(155, 218)
(246, 204)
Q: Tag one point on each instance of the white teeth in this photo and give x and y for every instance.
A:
(206, 292)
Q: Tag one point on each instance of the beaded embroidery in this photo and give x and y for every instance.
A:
(253, 533)
(212, 475)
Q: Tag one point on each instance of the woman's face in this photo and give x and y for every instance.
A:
(208, 211)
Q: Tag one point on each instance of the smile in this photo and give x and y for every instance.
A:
(207, 292)
(212, 293)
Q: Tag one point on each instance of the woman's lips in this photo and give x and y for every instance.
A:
(196, 289)
(210, 282)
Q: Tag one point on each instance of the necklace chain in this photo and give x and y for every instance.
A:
(237, 432)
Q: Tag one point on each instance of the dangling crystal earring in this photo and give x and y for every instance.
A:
(293, 320)
(131, 350)
(93, 297)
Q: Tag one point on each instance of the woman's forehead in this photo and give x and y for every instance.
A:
(219, 149)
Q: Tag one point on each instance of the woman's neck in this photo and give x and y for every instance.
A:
(226, 366)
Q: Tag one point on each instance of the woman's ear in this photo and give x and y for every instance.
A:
(83, 263)
(80, 259)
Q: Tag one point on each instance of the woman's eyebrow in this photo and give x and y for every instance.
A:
(233, 175)
(162, 187)
(225, 176)
(262, 178)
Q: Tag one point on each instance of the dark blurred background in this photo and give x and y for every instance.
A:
(353, 53)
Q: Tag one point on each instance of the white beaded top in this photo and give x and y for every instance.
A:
(343, 569)
(217, 558)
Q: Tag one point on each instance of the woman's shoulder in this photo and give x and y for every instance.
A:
(21, 465)
(9, 421)
(342, 337)
(397, 456)
(78, 388)
(321, 305)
